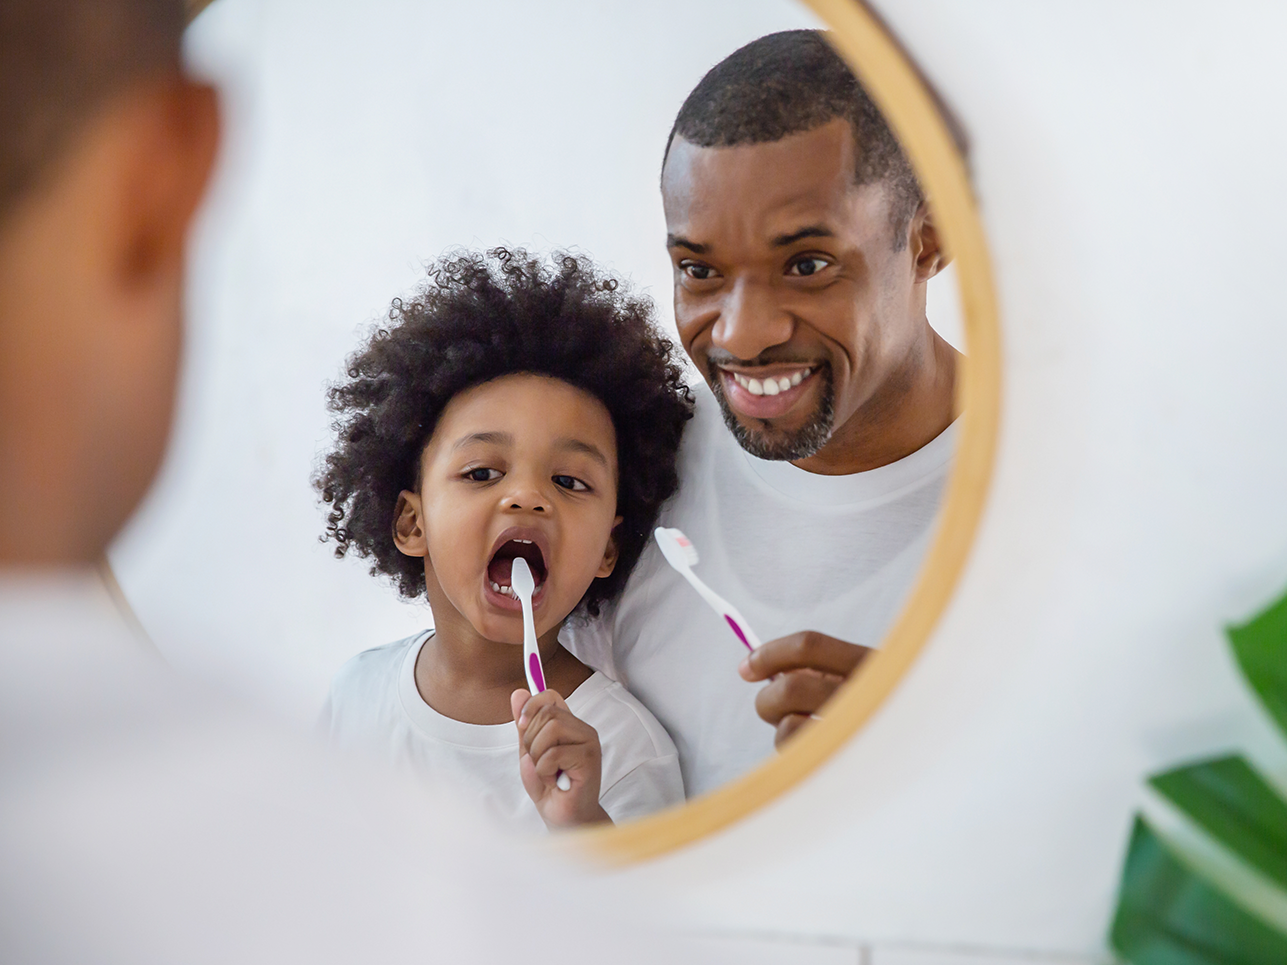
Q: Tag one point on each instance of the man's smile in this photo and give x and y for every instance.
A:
(766, 392)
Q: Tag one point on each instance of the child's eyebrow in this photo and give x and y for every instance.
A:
(591, 450)
(495, 438)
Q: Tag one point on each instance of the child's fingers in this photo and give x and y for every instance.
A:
(537, 713)
(532, 783)
(536, 703)
(559, 732)
(567, 759)
(517, 701)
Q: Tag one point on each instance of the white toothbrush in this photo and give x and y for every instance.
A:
(520, 578)
(682, 555)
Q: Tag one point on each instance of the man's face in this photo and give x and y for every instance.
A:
(792, 295)
(91, 295)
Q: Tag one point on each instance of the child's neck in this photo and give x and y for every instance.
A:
(465, 676)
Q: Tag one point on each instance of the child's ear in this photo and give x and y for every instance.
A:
(610, 552)
(408, 533)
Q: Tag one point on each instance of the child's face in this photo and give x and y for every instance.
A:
(524, 465)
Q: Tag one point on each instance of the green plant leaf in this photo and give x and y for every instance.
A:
(1167, 915)
(1233, 804)
(1260, 645)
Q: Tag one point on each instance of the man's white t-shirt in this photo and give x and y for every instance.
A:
(375, 707)
(792, 550)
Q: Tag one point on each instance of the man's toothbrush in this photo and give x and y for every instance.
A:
(520, 578)
(682, 555)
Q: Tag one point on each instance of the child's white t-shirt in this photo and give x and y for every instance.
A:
(375, 707)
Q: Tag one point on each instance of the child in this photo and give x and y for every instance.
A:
(510, 410)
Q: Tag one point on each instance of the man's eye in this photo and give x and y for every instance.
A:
(697, 271)
(572, 483)
(807, 266)
(482, 475)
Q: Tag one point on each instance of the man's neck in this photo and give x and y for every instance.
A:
(910, 409)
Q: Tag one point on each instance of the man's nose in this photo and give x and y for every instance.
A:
(751, 321)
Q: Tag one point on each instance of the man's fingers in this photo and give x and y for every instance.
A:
(803, 651)
(796, 692)
(788, 726)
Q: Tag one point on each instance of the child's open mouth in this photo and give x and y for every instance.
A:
(531, 545)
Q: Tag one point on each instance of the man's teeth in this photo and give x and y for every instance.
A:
(772, 385)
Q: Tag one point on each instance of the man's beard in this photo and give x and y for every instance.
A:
(806, 441)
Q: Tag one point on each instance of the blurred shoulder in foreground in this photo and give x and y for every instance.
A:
(143, 819)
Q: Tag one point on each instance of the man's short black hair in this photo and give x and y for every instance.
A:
(59, 60)
(477, 318)
(788, 83)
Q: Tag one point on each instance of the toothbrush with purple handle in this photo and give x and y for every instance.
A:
(524, 586)
(681, 554)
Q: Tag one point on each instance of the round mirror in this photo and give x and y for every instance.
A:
(365, 140)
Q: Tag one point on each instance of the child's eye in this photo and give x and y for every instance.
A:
(482, 475)
(572, 483)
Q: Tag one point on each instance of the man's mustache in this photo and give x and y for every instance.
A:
(719, 357)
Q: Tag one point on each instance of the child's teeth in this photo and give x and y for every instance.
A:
(496, 587)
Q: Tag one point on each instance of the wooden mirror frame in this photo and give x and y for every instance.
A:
(909, 107)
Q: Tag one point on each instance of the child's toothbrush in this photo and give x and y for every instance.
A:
(520, 578)
(682, 555)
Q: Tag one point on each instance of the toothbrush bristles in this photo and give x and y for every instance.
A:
(684, 543)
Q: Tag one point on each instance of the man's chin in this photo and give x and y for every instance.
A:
(762, 440)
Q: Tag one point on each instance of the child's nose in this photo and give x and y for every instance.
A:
(535, 506)
(526, 497)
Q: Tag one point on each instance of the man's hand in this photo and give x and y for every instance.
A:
(553, 741)
(804, 670)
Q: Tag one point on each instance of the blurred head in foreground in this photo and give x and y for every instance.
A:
(105, 150)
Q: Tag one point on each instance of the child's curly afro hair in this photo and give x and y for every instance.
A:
(476, 318)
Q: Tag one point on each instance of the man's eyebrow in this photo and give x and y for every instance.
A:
(679, 241)
(812, 231)
(496, 438)
(589, 449)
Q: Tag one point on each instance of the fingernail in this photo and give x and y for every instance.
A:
(744, 668)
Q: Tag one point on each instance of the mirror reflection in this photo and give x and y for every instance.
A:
(625, 357)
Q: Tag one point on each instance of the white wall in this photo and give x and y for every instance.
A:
(1128, 159)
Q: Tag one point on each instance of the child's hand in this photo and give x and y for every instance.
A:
(551, 739)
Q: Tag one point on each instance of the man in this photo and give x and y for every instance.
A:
(801, 248)
(141, 819)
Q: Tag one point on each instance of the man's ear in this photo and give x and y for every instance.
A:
(610, 552)
(408, 529)
(928, 256)
(178, 137)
